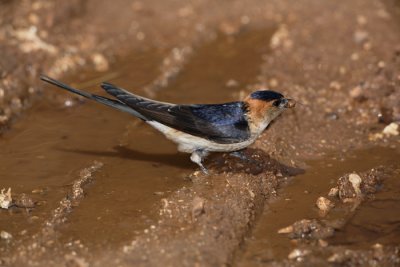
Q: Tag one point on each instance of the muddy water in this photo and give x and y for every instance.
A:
(370, 224)
(47, 147)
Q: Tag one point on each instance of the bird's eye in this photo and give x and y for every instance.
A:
(277, 103)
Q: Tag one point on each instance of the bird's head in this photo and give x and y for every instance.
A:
(264, 105)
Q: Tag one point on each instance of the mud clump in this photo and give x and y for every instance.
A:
(253, 162)
(378, 255)
(308, 230)
(354, 186)
(24, 201)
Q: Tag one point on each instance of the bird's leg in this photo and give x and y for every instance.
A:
(239, 154)
(197, 157)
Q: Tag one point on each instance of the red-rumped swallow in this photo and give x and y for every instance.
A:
(198, 128)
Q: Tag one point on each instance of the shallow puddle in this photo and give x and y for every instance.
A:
(375, 221)
(50, 144)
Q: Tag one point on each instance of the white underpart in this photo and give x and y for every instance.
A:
(189, 143)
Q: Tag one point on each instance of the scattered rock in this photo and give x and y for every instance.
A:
(361, 20)
(357, 94)
(185, 11)
(5, 235)
(375, 136)
(307, 229)
(197, 207)
(340, 257)
(391, 129)
(281, 38)
(381, 64)
(371, 181)
(75, 261)
(333, 192)
(298, 253)
(335, 85)
(30, 41)
(354, 56)
(229, 28)
(322, 243)
(360, 37)
(100, 62)
(332, 116)
(24, 201)
(324, 204)
(353, 188)
(349, 187)
(286, 230)
(39, 191)
(273, 82)
(232, 83)
(5, 199)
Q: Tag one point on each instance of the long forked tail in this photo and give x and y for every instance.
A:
(104, 100)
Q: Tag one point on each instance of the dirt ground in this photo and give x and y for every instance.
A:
(93, 187)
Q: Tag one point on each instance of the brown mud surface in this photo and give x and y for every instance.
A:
(95, 187)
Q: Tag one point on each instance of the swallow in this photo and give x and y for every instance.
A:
(197, 129)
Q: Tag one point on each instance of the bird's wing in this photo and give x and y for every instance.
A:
(221, 123)
(106, 101)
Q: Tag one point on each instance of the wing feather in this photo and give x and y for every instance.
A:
(221, 123)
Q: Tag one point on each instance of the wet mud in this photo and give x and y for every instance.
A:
(91, 186)
(344, 226)
(144, 167)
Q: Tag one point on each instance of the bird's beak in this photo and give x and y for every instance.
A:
(287, 103)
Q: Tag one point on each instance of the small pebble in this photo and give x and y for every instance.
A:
(322, 243)
(391, 129)
(5, 235)
(381, 64)
(334, 258)
(286, 230)
(356, 93)
(298, 253)
(100, 62)
(360, 37)
(324, 204)
(332, 116)
(232, 83)
(355, 180)
(197, 207)
(333, 192)
(361, 20)
(273, 82)
(367, 46)
(335, 85)
(5, 198)
(355, 57)
(377, 246)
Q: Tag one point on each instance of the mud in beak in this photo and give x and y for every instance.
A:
(288, 103)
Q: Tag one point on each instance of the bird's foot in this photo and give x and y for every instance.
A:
(197, 157)
(204, 169)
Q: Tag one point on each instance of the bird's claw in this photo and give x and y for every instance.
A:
(204, 170)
